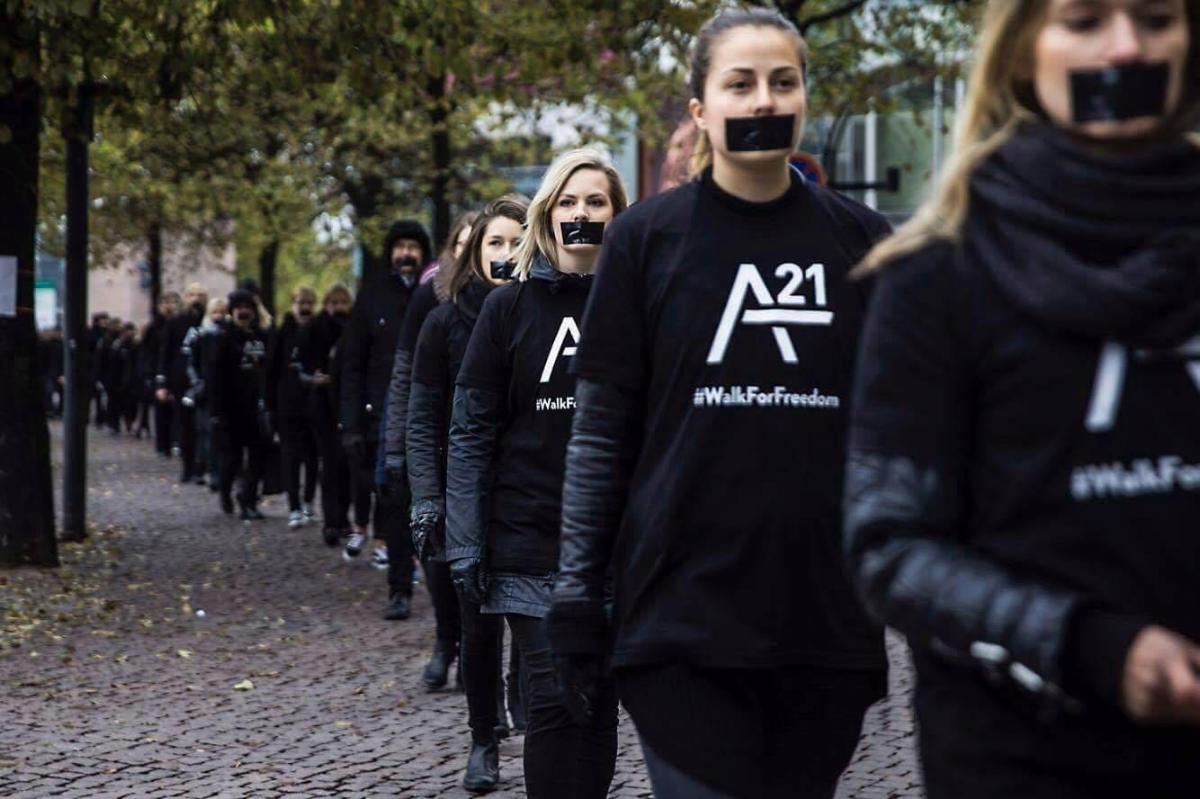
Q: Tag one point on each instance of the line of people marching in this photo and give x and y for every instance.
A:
(694, 453)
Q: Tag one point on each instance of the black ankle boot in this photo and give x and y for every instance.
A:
(437, 670)
(483, 768)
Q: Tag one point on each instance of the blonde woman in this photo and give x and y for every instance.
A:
(508, 437)
(1024, 479)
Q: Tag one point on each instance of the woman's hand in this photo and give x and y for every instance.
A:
(1161, 683)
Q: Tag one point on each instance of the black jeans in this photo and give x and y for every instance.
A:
(480, 658)
(244, 459)
(335, 472)
(163, 411)
(724, 733)
(563, 760)
(298, 449)
(446, 613)
(185, 419)
(391, 525)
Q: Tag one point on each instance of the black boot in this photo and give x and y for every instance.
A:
(502, 728)
(226, 503)
(437, 670)
(397, 609)
(483, 768)
(332, 536)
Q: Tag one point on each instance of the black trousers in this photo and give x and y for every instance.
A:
(986, 742)
(730, 733)
(391, 525)
(185, 429)
(163, 411)
(335, 471)
(482, 637)
(298, 449)
(447, 614)
(243, 460)
(562, 758)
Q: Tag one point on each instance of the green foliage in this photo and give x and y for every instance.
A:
(263, 119)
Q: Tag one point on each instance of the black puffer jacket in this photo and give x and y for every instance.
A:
(439, 353)
(424, 300)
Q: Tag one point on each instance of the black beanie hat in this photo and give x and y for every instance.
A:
(239, 298)
(407, 229)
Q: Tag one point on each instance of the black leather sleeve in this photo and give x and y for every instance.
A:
(605, 438)
(917, 578)
(426, 437)
(474, 427)
(396, 433)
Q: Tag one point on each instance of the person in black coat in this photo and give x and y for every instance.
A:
(288, 401)
(440, 350)
(199, 346)
(96, 339)
(172, 377)
(367, 354)
(52, 371)
(316, 356)
(237, 397)
(149, 349)
(509, 427)
(1023, 484)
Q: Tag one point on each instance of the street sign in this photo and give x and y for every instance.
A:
(810, 167)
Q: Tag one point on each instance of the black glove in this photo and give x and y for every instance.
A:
(395, 482)
(427, 516)
(470, 578)
(355, 447)
(579, 679)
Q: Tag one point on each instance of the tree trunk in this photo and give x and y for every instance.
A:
(154, 246)
(26, 493)
(266, 273)
(77, 131)
(439, 191)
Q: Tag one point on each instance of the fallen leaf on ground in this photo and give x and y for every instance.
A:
(184, 653)
(244, 685)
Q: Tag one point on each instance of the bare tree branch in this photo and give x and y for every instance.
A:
(820, 19)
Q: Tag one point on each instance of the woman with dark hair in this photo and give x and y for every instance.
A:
(508, 435)
(705, 464)
(439, 354)
(1023, 486)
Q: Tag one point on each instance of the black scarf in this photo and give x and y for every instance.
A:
(1101, 246)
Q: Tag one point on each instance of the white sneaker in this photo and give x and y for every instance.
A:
(354, 545)
(295, 519)
(309, 515)
(379, 558)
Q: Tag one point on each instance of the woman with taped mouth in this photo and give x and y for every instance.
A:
(508, 437)
(1023, 488)
(439, 352)
(705, 466)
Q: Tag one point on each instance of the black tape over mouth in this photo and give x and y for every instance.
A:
(502, 270)
(582, 233)
(757, 134)
(1116, 94)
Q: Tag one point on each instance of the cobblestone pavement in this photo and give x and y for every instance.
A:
(179, 653)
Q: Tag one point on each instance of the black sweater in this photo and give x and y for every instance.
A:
(507, 502)
(1024, 481)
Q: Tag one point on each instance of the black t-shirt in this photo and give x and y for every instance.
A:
(521, 348)
(1075, 463)
(738, 325)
